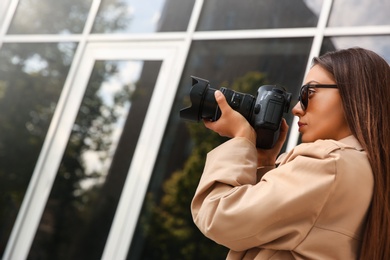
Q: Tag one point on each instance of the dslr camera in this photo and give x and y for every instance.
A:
(264, 111)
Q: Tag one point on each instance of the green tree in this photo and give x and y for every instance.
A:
(166, 223)
(71, 206)
(31, 79)
(31, 82)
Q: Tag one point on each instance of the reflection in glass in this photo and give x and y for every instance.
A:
(361, 13)
(134, 16)
(165, 228)
(89, 182)
(378, 44)
(31, 80)
(254, 14)
(50, 17)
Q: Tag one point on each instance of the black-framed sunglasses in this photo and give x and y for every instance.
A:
(304, 93)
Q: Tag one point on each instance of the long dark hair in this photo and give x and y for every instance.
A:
(363, 78)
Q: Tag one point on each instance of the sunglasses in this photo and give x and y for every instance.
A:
(304, 93)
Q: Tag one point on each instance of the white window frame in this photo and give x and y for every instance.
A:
(144, 156)
(92, 47)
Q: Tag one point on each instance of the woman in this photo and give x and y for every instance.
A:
(329, 197)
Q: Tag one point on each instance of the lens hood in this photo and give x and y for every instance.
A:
(203, 104)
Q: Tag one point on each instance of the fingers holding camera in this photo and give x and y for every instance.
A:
(231, 123)
(267, 157)
(283, 133)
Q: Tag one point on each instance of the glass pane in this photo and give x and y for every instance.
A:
(31, 80)
(134, 16)
(89, 182)
(255, 14)
(50, 17)
(361, 13)
(378, 44)
(165, 228)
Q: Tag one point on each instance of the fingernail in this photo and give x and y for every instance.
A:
(217, 93)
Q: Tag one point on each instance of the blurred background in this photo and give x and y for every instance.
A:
(95, 162)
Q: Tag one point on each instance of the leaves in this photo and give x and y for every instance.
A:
(167, 224)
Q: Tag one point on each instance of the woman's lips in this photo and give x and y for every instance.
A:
(300, 125)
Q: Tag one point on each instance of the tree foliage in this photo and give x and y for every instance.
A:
(166, 224)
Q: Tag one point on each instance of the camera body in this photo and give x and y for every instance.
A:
(264, 111)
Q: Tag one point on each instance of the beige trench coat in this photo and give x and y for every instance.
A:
(312, 206)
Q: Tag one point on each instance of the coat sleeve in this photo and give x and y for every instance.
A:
(236, 210)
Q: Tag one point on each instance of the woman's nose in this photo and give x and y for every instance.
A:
(297, 109)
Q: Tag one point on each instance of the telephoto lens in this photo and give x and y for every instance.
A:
(264, 112)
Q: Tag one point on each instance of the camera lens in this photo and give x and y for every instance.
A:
(205, 107)
(203, 104)
(209, 107)
(242, 103)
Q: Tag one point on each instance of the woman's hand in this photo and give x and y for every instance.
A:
(268, 157)
(231, 123)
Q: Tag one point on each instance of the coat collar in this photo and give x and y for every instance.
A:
(352, 141)
(349, 141)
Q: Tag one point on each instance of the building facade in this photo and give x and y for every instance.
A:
(95, 162)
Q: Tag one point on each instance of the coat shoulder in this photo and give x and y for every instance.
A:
(320, 149)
